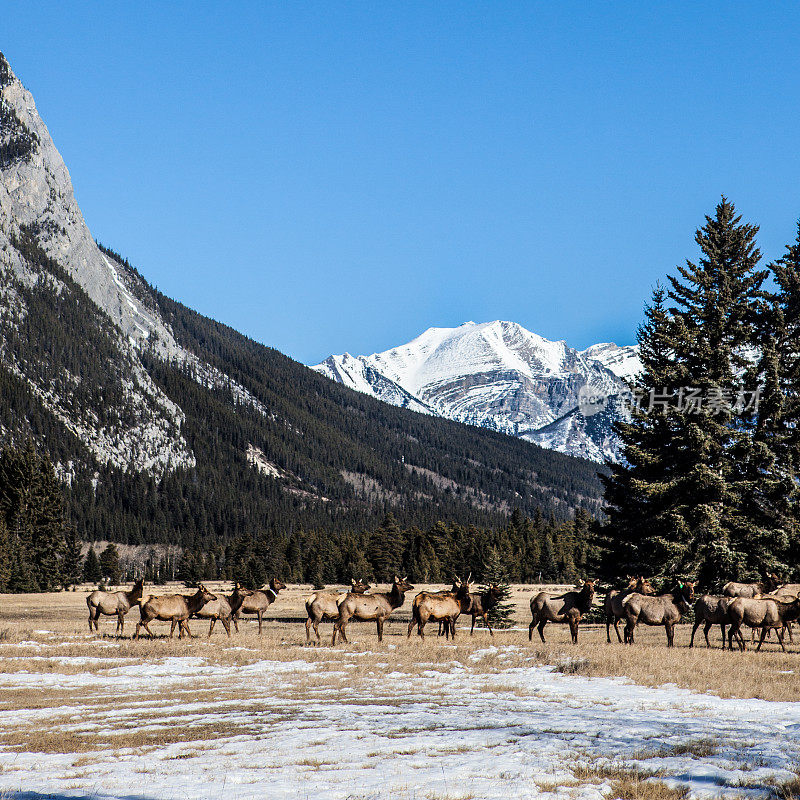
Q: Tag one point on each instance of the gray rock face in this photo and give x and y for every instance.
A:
(38, 210)
(37, 191)
(37, 203)
(499, 375)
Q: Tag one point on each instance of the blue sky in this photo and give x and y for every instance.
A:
(330, 177)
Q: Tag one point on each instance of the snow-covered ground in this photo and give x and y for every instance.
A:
(358, 725)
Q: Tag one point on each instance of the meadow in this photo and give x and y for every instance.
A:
(99, 716)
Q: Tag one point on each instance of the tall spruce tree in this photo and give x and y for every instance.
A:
(91, 567)
(32, 505)
(685, 500)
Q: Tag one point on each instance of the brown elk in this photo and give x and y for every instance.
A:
(482, 603)
(174, 608)
(769, 584)
(258, 602)
(325, 605)
(711, 610)
(566, 608)
(764, 613)
(664, 609)
(612, 605)
(367, 607)
(113, 603)
(443, 607)
(223, 608)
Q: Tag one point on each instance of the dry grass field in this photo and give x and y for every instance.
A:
(272, 716)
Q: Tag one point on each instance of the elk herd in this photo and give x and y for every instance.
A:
(764, 606)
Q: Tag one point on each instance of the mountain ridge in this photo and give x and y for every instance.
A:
(167, 426)
(500, 376)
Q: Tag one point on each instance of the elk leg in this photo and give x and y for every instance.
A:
(608, 629)
(761, 639)
(172, 629)
(780, 634)
(452, 628)
(308, 630)
(235, 623)
(573, 629)
(540, 628)
(616, 628)
(472, 629)
(379, 623)
(226, 623)
(697, 624)
(120, 623)
(211, 626)
(260, 618)
(412, 623)
(530, 629)
(733, 630)
(669, 627)
(629, 628)
(486, 623)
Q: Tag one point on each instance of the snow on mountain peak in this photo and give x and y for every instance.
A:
(495, 374)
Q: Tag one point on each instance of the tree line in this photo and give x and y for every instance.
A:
(40, 550)
(709, 484)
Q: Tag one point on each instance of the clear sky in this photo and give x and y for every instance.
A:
(340, 176)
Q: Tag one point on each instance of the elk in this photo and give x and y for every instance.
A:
(566, 608)
(769, 584)
(366, 607)
(664, 609)
(111, 603)
(174, 608)
(325, 605)
(258, 602)
(764, 613)
(482, 603)
(223, 608)
(711, 610)
(612, 605)
(442, 607)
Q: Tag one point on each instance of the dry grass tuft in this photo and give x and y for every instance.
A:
(788, 790)
(629, 783)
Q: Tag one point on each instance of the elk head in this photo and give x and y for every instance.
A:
(402, 584)
(642, 585)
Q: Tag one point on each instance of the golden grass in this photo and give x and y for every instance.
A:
(628, 783)
(769, 675)
(37, 740)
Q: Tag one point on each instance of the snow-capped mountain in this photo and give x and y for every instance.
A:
(501, 376)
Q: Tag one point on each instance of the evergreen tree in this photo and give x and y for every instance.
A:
(495, 573)
(683, 501)
(91, 567)
(32, 506)
(386, 549)
(72, 572)
(109, 564)
(5, 556)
